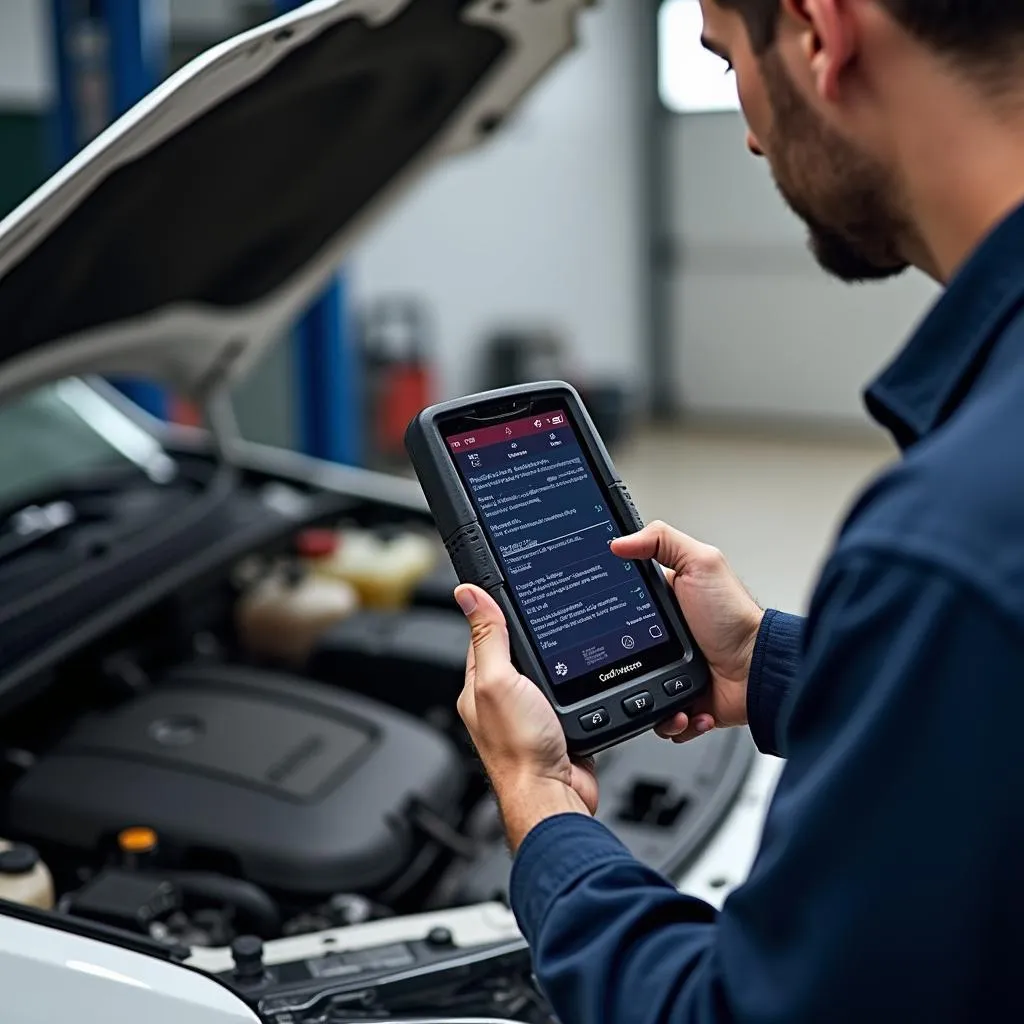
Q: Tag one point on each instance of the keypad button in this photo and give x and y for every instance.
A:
(638, 704)
(677, 687)
(596, 719)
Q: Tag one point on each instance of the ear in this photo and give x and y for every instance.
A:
(828, 38)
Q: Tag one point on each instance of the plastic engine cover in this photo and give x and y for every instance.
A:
(413, 659)
(305, 786)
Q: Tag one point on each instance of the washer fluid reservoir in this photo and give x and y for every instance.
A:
(24, 878)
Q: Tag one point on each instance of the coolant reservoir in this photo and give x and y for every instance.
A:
(384, 572)
(414, 554)
(24, 878)
(285, 614)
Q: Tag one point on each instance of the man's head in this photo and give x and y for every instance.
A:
(830, 89)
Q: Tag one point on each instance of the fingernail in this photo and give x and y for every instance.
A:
(466, 601)
(704, 725)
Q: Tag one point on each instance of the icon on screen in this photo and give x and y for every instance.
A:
(628, 642)
(554, 437)
(508, 431)
(474, 461)
(561, 669)
(538, 424)
(513, 445)
(656, 632)
(557, 419)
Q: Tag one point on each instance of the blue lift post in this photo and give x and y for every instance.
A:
(327, 375)
(137, 44)
(327, 369)
(66, 119)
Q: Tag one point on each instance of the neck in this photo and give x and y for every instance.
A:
(961, 162)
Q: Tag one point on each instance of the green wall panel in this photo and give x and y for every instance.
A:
(24, 156)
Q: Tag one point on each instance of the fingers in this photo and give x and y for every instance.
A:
(490, 651)
(701, 726)
(672, 727)
(681, 728)
(670, 547)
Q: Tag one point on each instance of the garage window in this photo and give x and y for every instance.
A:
(691, 80)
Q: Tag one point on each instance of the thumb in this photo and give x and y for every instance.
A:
(489, 633)
(669, 547)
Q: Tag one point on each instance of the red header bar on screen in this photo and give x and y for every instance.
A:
(544, 422)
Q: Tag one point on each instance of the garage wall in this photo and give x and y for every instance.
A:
(26, 89)
(26, 81)
(542, 226)
(758, 329)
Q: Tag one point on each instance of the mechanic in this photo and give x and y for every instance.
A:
(888, 885)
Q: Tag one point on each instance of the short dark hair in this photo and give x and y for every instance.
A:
(979, 31)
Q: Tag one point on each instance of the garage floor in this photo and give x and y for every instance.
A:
(772, 504)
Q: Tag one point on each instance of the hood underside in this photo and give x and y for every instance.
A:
(189, 235)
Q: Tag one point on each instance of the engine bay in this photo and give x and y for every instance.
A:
(228, 674)
(270, 747)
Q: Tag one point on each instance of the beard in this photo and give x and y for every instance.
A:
(847, 200)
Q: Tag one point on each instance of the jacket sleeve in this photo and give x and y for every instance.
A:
(855, 908)
(773, 669)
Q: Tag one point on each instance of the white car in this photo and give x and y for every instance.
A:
(194, 827)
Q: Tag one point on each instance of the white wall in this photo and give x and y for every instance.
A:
(212, 18)
(759, 329)
(541, 226)
(26, 79)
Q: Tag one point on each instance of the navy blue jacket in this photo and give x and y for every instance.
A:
(889, 885)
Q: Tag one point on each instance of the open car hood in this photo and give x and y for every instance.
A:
(193, 231)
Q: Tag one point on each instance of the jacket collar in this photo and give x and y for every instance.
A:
(932, 376)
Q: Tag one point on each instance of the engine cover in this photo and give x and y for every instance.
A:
(305, 786)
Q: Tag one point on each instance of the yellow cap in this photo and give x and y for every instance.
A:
(138, 839)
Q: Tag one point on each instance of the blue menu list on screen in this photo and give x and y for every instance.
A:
(551, 527)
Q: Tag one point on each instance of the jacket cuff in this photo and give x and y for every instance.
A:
(555, 855)
(773, 669)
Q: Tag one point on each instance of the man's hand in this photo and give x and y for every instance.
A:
(515, 730)
(721, 614)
